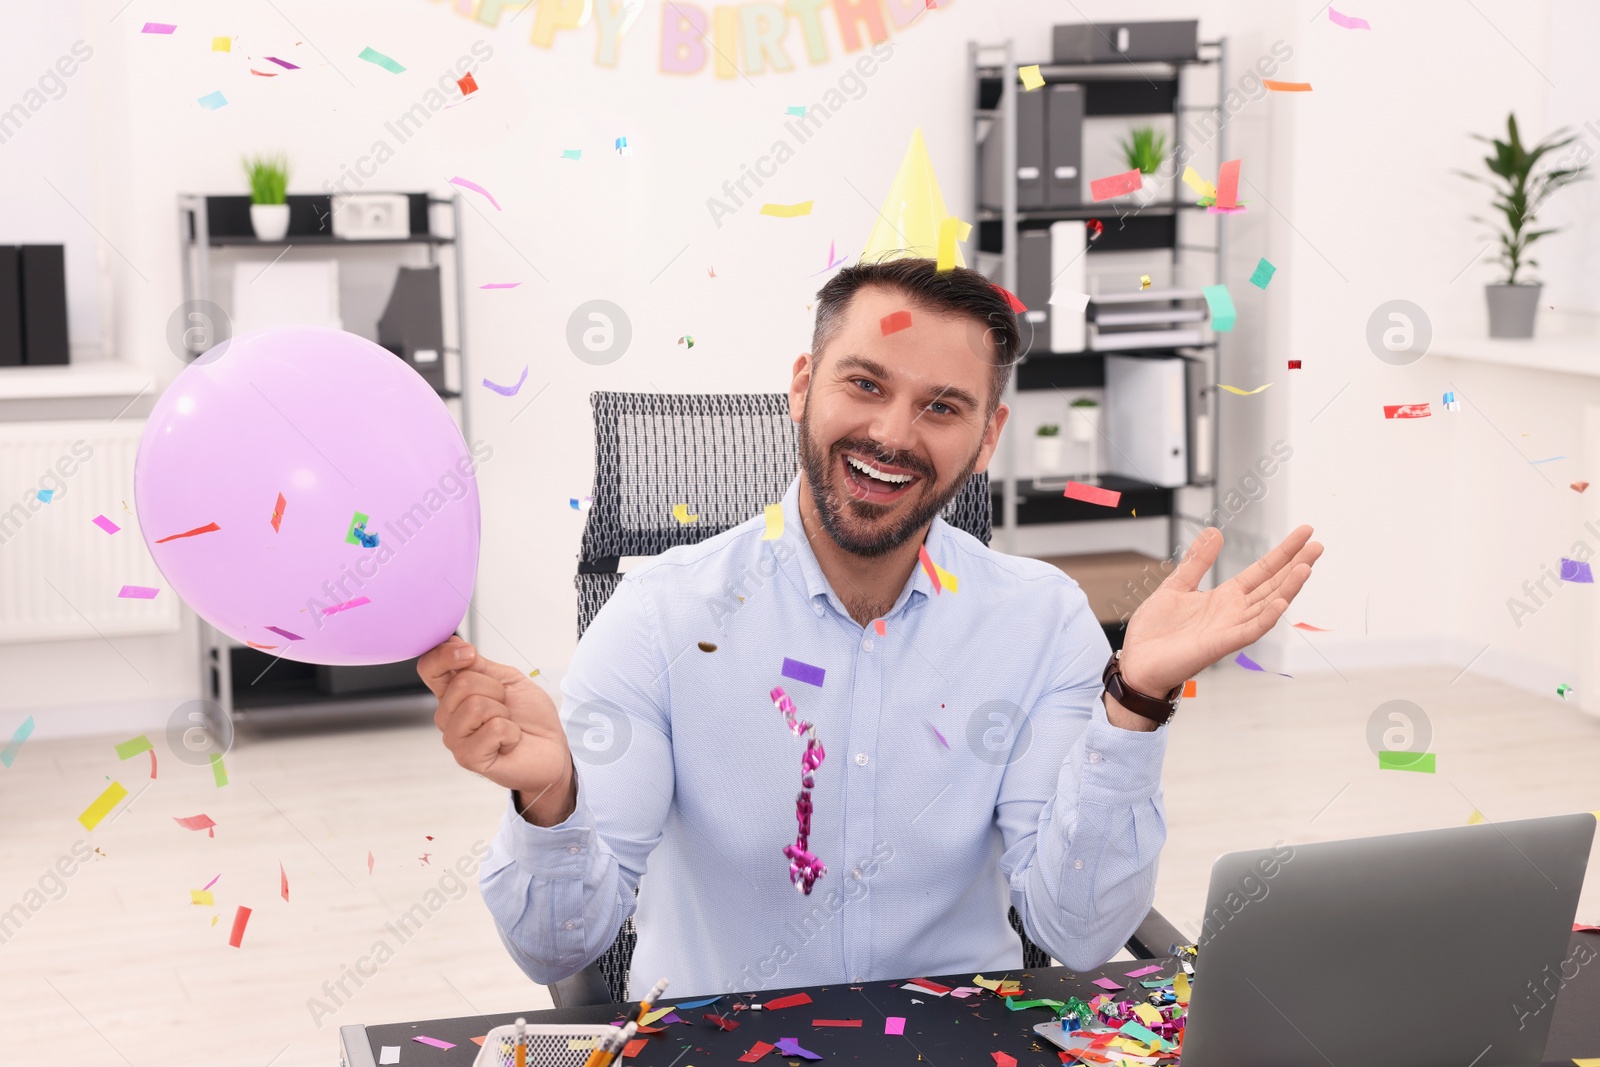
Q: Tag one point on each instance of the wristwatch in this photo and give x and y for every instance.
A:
(1158, 710)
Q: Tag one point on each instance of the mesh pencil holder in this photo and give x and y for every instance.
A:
(548, 1046)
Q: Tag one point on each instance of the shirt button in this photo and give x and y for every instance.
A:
(857, 978)
(867, 644)
(1077, 865)
(856, 873)
(817, 610)
(573, 850)
(569, 924)
(861, 759)
(1094, 757)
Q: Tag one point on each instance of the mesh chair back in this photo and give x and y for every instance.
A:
(726, 456)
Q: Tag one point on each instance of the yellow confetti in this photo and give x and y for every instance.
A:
(681, 513)
(1144, 281)
(1180, 987)
(534, 673)
(1201, 187)
(951, 230)
(774, 514)
(202, 897)
(946, 579)
(102, 805)
(213, 920)
(787, 211)
(1147, 1014)
(1475, 818)
(1031, 78)
(1234, 389)
(222, 44)
(651, 1016)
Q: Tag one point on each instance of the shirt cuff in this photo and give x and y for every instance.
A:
(559, 851)
(1118, 766)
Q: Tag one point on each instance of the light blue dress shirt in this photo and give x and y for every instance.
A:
(970, 766)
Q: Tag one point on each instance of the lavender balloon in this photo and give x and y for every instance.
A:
(305, 491)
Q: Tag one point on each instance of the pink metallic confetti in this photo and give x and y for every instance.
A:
(475, 187)
(804, 867)
(106, 524)
(348, 604)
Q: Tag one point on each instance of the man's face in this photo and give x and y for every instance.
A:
(892, 426)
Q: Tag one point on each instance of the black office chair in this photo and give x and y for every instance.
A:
(727, 456)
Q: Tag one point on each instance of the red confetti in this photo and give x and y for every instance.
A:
(1313, 629)
(277, 512)
(835, 1022)
(1001, 1059)
(932, 987)
(283, 882)
(880, 626)
(1406, 411)
(252, 644)
(721, 1022)
(1095, 228)
(152, 763)
(197, 822)
(1011, 298)
(240, 918)
(1092, 494)
(630, 1050)
(1228, 184)
(790, 1001)
(1129, 181)
(758, 1050)
(927, 565)
(467, 84)
(1294, 364)
(209, 527)
(894, 323)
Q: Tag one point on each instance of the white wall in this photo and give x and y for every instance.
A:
(1347, 180)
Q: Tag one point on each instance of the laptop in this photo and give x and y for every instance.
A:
(1444, 947)
(1440, 947)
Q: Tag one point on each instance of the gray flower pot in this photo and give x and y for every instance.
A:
(1512, 309)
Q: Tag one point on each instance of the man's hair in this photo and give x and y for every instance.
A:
(958, 291)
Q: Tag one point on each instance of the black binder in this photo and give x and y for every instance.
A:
(43, 270)
(412, 324)
(10, 307)
(1064, 147)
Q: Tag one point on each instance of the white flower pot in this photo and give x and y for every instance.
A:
(1149, 192)
(270, 221)
(1047, 456)
(1085, 423)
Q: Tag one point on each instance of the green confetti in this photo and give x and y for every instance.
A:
(358, 519)
(218, 771)
(373, 56)
(131, 748)
(1263, 274)
(1421, 762)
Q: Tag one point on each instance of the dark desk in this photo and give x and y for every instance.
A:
(941, 1030)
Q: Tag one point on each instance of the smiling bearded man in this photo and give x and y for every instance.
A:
(1045, 796)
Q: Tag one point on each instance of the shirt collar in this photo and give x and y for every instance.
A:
(815, 583)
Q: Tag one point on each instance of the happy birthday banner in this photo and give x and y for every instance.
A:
(739, 39)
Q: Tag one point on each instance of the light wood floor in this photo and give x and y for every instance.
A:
(124, 969)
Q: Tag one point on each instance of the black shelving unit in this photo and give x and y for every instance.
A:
(244, 682)
(1118, 88)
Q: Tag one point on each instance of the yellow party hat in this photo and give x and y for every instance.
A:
(908, 225)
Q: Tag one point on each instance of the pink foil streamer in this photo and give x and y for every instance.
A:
(804, 867)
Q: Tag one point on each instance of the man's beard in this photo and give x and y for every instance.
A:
(836, 507)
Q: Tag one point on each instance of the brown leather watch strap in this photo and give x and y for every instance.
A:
(1156, 709)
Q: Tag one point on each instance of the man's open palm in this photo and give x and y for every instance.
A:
(1182, 629)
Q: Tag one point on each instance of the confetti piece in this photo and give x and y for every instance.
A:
(1573, 570)
(1313, 629)
(102, 805)
(475, 187)
(1031, 78)
(370, 862)
(681, 513)
(1236, 391)
(45, 495)
(880, 626)
(391, 1053)
(1002, 986)
(1562, 690)
(1202, 188)
(1130, 181)
(1294, 364)
(1069, 299)
(467, 84)
(795, 109)
(1092, 494)
(1190, 688)
(790, 1046)
(199, 822)
(1220, 302)
(1578, 487)
(219, 773)
(1017, 306)
(650, 1017)
(787, 211)
(793, 1000)
(372, 55)
(285, 634)
(572, 153)
(222, 44)
(1251, 665)
(158, 27)
(284, 63)
(346, 606)
(1552, 459)
(832, 261)
(1286, 87)
(202, 897)
(507, 390)
(283, 882)
(18, 736)
(758, 1050)
(803, 672)
(138, 592)
(927, 985)
(1421, 762)
(1144, 282)
(621, 145)
(1106, 983)
(930, 568)
(262, 73)
(1262, 274)
(209, 527)
(951, 230)
(500, 285)
(835, 1022)
(435, 1042)
(1349, 22)
(774, 518)
(212, 101)
(1475, 818)
(895, 322)
(686, 1005)
(1406, 411)
(1003, 1059)
(1228, 184)
(937, 734)
(1142, 971)
(894, 1024)
(106, 524)
(707, 646)
(686, 341)
(132, 747)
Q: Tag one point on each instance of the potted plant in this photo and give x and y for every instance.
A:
(269, 189)
(1145, 149)
(1047, 450)
(1519, 193)
(1085, 419)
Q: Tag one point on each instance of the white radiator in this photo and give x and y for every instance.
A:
(59, 572)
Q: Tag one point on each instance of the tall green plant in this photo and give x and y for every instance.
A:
(269, 178)
(1145, 149)
(1519, 192)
